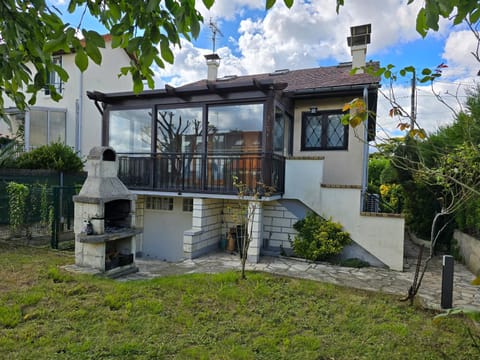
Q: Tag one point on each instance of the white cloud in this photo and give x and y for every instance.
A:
(457, 53)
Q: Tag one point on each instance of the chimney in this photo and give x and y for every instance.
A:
(360, 37)
(213, 62)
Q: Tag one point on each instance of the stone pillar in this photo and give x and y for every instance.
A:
(204, 236)
(255, 214)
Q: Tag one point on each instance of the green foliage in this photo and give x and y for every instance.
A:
(55, 156)
(17, 197)
(318, 239)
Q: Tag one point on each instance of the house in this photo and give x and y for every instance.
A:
(73, 120)
(179, 149)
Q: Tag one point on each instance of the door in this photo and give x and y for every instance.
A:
(165, 221)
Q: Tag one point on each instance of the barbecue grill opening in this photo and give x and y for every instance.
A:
(117, 215)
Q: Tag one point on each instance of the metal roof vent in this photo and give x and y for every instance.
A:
(279, 72)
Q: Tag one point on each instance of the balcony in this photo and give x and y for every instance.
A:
(201, 173)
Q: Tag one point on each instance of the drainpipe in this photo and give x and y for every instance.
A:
(365, 153)
(26, 131)
(79, 114)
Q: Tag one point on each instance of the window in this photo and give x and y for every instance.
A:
(53, 78)
(188, 205)
(159, 203)
(323, 131)
(179, 130)
(235, 128)
(130, 130)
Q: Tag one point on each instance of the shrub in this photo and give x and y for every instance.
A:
(17, 197)
(318, 238)
(55, 156)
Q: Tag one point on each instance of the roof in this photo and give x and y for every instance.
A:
(328, 77)
(293, 83)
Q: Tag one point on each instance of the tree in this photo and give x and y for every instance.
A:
(32, 31)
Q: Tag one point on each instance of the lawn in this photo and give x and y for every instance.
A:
(47, 313)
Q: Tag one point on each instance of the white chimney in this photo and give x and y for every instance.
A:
(360, 37)
(213, 62)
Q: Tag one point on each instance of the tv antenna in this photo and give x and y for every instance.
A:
(215, 31)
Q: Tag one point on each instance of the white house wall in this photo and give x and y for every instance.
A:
(341, 167)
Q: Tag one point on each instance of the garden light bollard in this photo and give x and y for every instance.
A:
(447, 282)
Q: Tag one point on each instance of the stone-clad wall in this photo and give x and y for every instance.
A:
(278, 220)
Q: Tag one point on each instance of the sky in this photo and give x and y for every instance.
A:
(312, 34)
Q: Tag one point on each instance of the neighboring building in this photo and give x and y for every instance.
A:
(74, 119)
(179, 149)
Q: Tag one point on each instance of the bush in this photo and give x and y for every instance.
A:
(318, 238)
(55, 156)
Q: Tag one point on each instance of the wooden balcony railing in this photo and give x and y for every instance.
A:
(201, 173)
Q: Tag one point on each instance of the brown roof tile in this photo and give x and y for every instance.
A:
(304, 79)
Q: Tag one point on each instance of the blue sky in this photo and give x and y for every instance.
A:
(312, 34)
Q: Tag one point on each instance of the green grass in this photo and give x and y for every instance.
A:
(46, 313)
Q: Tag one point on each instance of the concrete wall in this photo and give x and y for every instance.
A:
(469, 250)
(382, 235)
(342, 167)
(303, 178)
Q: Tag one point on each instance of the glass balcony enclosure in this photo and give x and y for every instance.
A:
(196, 149)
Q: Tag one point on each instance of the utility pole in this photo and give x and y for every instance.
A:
(413, 106)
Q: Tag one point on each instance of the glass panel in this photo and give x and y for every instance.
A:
(279, 131)
(57, 127)
(179, 130)
(235, 128)
(130, 130)
(38, 128)
(335, 131)
(313, 131)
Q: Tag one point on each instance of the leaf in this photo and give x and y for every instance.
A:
(81, 60)
(288, 3)
(93, 53)
(345, 119)
(208, 3)
(269, 4)
(94, 39)
(165, 51)
(426, 71)
(421, 24)
(339, 3)
(61, 72)
(54, 44)
(153, 5)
